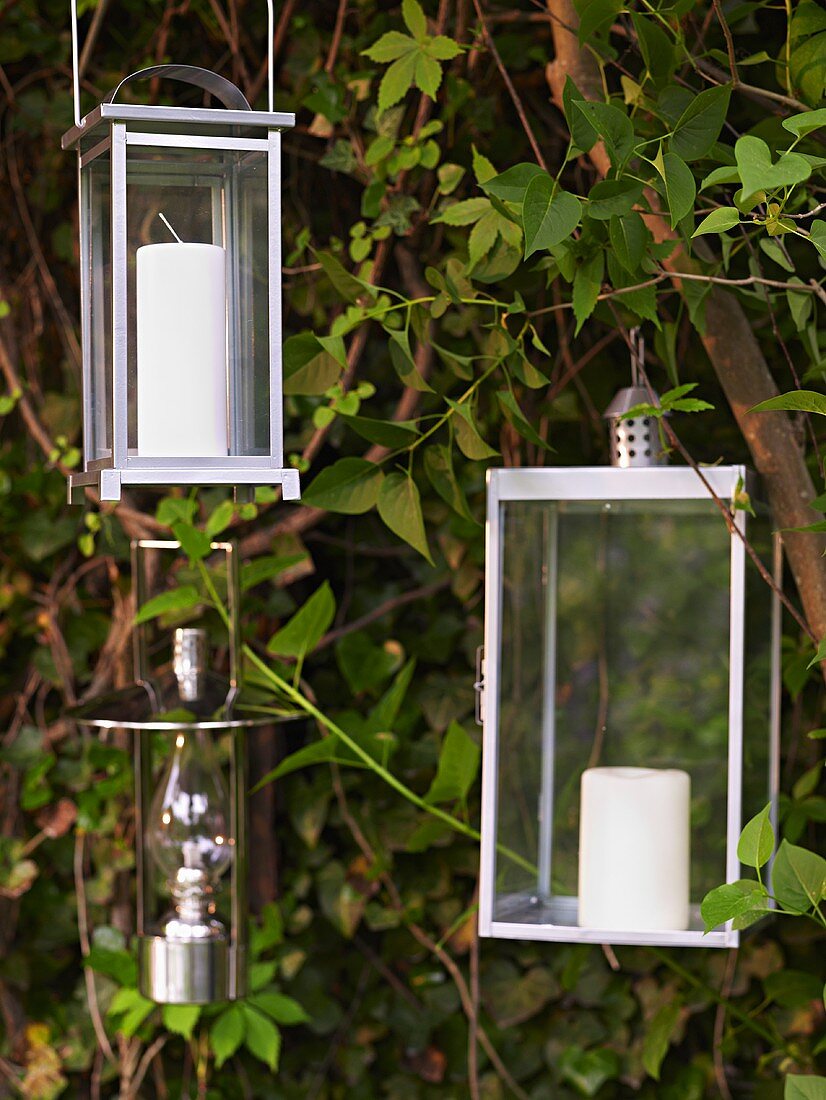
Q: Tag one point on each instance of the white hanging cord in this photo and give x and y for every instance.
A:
(637, 341)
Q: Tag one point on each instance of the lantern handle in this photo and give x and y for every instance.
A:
(76, 63)
(224, 90)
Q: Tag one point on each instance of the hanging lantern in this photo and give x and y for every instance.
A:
(180, 271)
(190, 728)
(629, 692)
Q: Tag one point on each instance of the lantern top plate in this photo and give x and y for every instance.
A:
(616, 483)
(195, 119)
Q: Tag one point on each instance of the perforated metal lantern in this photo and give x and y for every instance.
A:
(189, 727)
(180, 264)
(629, 693)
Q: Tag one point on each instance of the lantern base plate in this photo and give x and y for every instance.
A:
(108, 482)
(190, 972)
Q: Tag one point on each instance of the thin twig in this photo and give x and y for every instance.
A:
(86, 947)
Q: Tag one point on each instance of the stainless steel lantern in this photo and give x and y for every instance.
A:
(190, 728)
(180, 264)
(629, 695)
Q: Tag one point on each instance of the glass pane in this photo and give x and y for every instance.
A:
(757, 686)
(96, 274)
(614, 655)
(198, 337)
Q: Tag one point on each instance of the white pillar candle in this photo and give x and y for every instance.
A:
(634, 849)
(182, 350)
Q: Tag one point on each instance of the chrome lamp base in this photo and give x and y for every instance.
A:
(190, 972)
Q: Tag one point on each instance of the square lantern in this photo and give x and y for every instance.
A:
(180, 264)
(630, 700)
(190, 728)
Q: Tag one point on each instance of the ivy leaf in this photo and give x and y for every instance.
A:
(700, 124)
(587, 285)
(471, 443)
(457, 768)
(438, 466)
(658, 1036)
(181, 1019)
(350, 486)
(548, 216)
(179, 599)
(302, 633)
(718, 221)
(758, 173)
(795, 401)
(756, 842)
(731, 900)
(798, 877)
(613, 126)
(227, 1034)
(629, 237)
(400, 508)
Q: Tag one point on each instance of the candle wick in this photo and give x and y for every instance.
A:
(169, 227)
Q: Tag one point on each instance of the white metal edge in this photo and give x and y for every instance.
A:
(737, 605)
(613, 483)
(274, 289)
(84, 185)
(490, 712)
(776, 686)
(187, 141)
(120, 419)
(574, 934)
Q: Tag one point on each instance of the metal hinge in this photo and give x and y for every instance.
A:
(479, 686)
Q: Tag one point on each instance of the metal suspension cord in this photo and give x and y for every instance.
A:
(76, 65)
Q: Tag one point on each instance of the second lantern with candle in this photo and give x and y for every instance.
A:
(628, 692)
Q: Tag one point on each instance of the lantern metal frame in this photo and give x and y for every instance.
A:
(111, 129)
(213, 970)
(519, 916)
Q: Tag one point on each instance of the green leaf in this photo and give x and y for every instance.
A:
(795, 401)
(386, 433)
(588, 1070)
(265, 568)
(119, 965)
(610, 197)
(510, 185)
(279, 1007)
(483, 237)
(348, 286)
(718, 221)
(800, 304)
(414, 18)
(732, 900)
(194, 543)
(465, 212)
(798, 877)
(596, 15)
(227, 1034)
(317, 752)
(680, 187)
(398, 79)
(756, 842)
(400, 508)
(428, 75)
(613, 126)
(309, 369)
(442, 48)
(220, 518)
(438, 466)
(583, 133)
(806, 122)
(793, 988)
(658, 1036)
(350, 486)
(181, 1019)
(515, 416)
(470, 442)
(629, 237)
(656, 47)
(130, 1009)
(483, 169)
(403, 362)
(179, 599)
(390, 46)
(302, 633)
(804, 1087)
(587, 285)
(757, 173)
(700, 124)
(174, 509)
(457, 768)
(817, 236)
(548, 216)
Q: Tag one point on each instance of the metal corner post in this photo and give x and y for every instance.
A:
(490, 731)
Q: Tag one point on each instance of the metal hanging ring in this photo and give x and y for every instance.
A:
(224, 90)
(182, 72)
